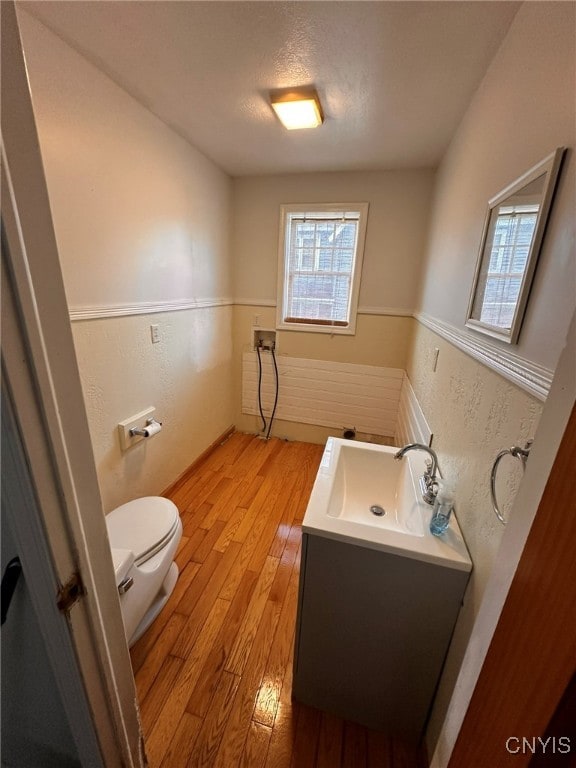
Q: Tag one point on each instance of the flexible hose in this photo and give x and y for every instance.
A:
(260, 389)
(276, 396)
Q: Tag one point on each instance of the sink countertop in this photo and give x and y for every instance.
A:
(448, 550)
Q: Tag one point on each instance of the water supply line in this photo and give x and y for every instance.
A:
(260, 385)
(268, 346)
(276, 395)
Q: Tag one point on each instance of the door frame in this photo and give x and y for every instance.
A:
(41, 375)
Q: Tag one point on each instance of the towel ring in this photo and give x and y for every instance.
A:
(518, 453)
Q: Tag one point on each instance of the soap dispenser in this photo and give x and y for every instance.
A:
(443, 506)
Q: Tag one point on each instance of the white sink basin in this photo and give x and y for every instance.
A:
(355, 477)
(372, 489)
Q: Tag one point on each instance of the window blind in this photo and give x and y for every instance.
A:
(320, 260)
(511, 246)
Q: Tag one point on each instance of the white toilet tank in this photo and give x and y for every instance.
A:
(144, 535)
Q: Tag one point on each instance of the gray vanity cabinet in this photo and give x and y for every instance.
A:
(372, 633)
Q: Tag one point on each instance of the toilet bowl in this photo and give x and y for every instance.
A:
(144, 535)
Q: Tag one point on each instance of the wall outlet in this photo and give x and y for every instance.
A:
(155, 333)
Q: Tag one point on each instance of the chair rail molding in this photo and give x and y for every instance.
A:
(97, 311)
(531, 377)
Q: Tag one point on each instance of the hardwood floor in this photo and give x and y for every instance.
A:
(214, 671)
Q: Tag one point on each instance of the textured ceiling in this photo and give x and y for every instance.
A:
(394, 77)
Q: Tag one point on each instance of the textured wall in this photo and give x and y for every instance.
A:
(141, 217)
(473, 413)
(523, 109)
(478, 413)
(186, 377)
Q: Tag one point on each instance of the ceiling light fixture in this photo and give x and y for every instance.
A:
(297, 108)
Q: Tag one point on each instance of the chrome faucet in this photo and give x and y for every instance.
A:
(428, 481)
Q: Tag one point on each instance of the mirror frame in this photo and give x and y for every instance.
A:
(549, 167)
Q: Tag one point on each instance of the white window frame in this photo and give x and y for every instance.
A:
(510, 212)
(315, 208)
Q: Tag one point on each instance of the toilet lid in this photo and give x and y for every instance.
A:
(142, 525)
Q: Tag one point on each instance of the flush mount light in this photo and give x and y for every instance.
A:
(297, 109)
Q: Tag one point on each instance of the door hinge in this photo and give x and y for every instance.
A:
(70, 592)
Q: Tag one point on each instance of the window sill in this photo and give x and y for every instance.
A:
(333, 330)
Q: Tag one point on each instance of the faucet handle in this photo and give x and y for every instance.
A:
(428, 464)
(428, 488)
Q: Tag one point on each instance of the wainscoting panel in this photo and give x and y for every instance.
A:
(412, 426)
(328, 394)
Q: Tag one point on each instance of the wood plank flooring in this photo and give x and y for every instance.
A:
(214, 671)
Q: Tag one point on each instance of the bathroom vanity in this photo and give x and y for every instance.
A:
(378, 599)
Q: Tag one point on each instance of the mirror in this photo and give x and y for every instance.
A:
(509, 250)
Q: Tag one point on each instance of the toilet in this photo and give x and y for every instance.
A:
(144, 535)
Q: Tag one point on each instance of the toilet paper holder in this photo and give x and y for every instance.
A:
(151, 427)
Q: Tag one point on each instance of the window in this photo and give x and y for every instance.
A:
(320, 262)
(511, 241)
(513, 234)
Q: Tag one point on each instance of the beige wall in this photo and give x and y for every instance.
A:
(379, 340)
(140, 215)
(395, 236)
(142, 219)
(186, 377)
(523, 109)
(395, 240)
(473, 413)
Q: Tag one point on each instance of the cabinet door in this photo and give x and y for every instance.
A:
(373, 631)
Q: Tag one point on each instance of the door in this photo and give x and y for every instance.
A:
(57, 522)
(45, 714)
